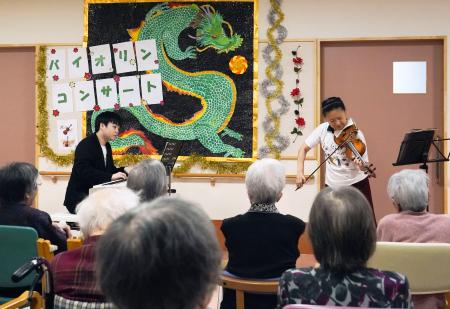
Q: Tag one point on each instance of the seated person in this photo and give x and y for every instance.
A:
(18, 187)
(343, 237)
(262, 243)
(74, 271)
(408, 190)
(148, 179)
(163, 254)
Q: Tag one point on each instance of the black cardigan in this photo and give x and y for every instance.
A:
(260, 246)
(88, 170)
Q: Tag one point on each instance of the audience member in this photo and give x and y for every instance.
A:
(148, 179)
(408, 190)
(163, 254)
(19, 183)
(343, 237)
(74, 271)
(262, 243)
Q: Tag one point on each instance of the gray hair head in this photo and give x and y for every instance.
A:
(265, 180)
(163, 254)
(409, 189)
(148, 179)
(342, 229)
(102, 207)
(17, 181)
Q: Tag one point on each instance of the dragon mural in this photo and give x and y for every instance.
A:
(215, 90)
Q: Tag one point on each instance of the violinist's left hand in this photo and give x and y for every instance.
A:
(359, 164)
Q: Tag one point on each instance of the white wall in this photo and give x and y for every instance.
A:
(61, 21)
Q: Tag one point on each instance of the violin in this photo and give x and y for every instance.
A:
(354, 147)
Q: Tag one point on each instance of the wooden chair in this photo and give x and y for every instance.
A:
(74, 243)
(304, 306)
(250, 286)
(45, 249)
(22, 301)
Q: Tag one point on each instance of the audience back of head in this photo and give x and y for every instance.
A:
(408, 189)
(265, 180)
(148, 179)
(18, 182)
(341, 229)
(102, 207)
(163, 254)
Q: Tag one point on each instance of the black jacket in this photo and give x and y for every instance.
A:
(260, 245)
(24, 215)
(88, 170)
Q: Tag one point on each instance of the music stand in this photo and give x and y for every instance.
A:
(169, 158)
(415, 148)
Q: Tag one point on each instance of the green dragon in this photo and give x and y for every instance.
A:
(216, 91)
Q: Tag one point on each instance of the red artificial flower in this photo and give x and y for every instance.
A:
(87, 76)
(295, 92)
(55, 78)
(297, 81)
(53, 51)
(115, 50)
(75, 50)
(297, 60)
(116, 78)
(161, 102)
(116, 106)
(55, 112)
(300, 121)
(156, 61)
(130, 104)
(96, 107)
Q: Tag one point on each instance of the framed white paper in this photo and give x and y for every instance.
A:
(152, 88)
(129, 93)
(67, 134)
(101, 59)
(147, 57)
(84, 95)
(77, 62)
(106, 93)
(124, 57)
(62, 99)
(410, 77)
(56, 64)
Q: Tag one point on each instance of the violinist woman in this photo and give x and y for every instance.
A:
(341, 170)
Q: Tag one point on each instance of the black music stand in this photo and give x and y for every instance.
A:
(169, 158)
(416, 146)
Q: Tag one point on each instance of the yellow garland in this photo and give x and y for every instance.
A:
(278, 83)
(121, 160)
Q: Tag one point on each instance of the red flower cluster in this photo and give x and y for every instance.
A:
(55, 78)
(116, 78)
(55, 112)
(96, 107)
(300, 121)
(295, 92)
(116, 106)
(87, 76)
(297, 60)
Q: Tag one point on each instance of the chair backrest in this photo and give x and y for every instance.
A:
(44, 249)
(427, 265)
(17, 247)
(74, 243)
(250, 286)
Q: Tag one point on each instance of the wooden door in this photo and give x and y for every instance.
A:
(361, 73)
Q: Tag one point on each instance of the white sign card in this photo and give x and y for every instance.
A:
(147, 57)
(56, 64)
(62, 99)
(67, 134)
(84, 95)
(101, 59)
(78, 62)
(152, 88)
(124, 57)
(410, 77)
(129, 91)
(106, 93)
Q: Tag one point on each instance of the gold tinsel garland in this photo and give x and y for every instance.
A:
(121, 160)
(268, 138)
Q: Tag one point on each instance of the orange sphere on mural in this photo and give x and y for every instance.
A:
(238, 64)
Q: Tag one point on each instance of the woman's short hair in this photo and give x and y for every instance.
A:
(17, 179)
(342, 229)
(265, 180)
(163, 254)
(332, 103)
(148, 179)
(409, 189)
(102, 207)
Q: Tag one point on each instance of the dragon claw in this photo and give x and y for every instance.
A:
(190, 52)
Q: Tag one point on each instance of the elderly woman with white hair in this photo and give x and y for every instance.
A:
(262, 243)
(74, 273)
(408, 190)
(148, 179)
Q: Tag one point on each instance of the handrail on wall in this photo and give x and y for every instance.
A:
(54, 175)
